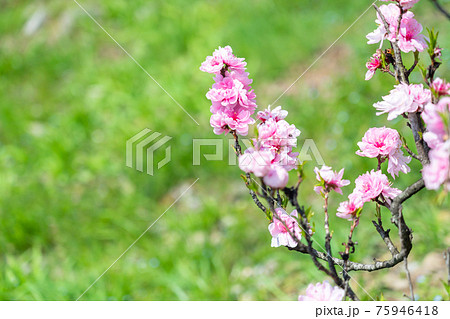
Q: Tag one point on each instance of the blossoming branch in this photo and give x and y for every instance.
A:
(271, 160)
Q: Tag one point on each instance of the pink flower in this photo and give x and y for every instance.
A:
(277, 177)
(438, 171)
(398, 163)
(286, 134)
(373, 64)
(277, 134)
(437, 118)
(256, 162)
(281, 236)
(384, 142)
(421, 96)
(403, 98)
(433, 116)
(348, 209)
(223, 58)
(322, 292)
(371, 185)
(229, 92)
(440, 87)
(235, 119)
(277, 114)
(279, 137)
(286, 158)
(267, 129)
(396, 103)
(406, 4)
(226, 91)
(390, 13)
(331, 180)
(409, 38)
(379, 141)
(276, 139)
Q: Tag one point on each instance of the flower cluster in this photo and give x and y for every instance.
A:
(373, 185)
(437, 118)
(403, 98)
(322, 292)
(283, 226)
(272, 155)
(384, 143)
(233, 100)
(329, 180)
(409, 37)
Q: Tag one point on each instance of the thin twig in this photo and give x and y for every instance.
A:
(238, 151)
(447, 262)
(388, 72)
(416, 60)
(408, 150)
(331, 265)
(385, 236)
(347, 252)
(408, 275)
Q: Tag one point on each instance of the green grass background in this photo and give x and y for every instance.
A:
(70, 98)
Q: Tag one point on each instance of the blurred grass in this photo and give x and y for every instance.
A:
(71, 98)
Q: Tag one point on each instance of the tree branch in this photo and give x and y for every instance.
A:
(328, 238)
(355, 266)
(385, 236)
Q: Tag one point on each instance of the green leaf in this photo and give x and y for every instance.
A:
(423, 72)
(358, 212)
(284, 200)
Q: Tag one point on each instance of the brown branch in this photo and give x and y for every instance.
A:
(417, 128)
(346, 254)
(269, 199)
(416, 60)
(355, 266)
(406, 194)
(328, 238)
(385, 236)
(237, 145)
(408, 150)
